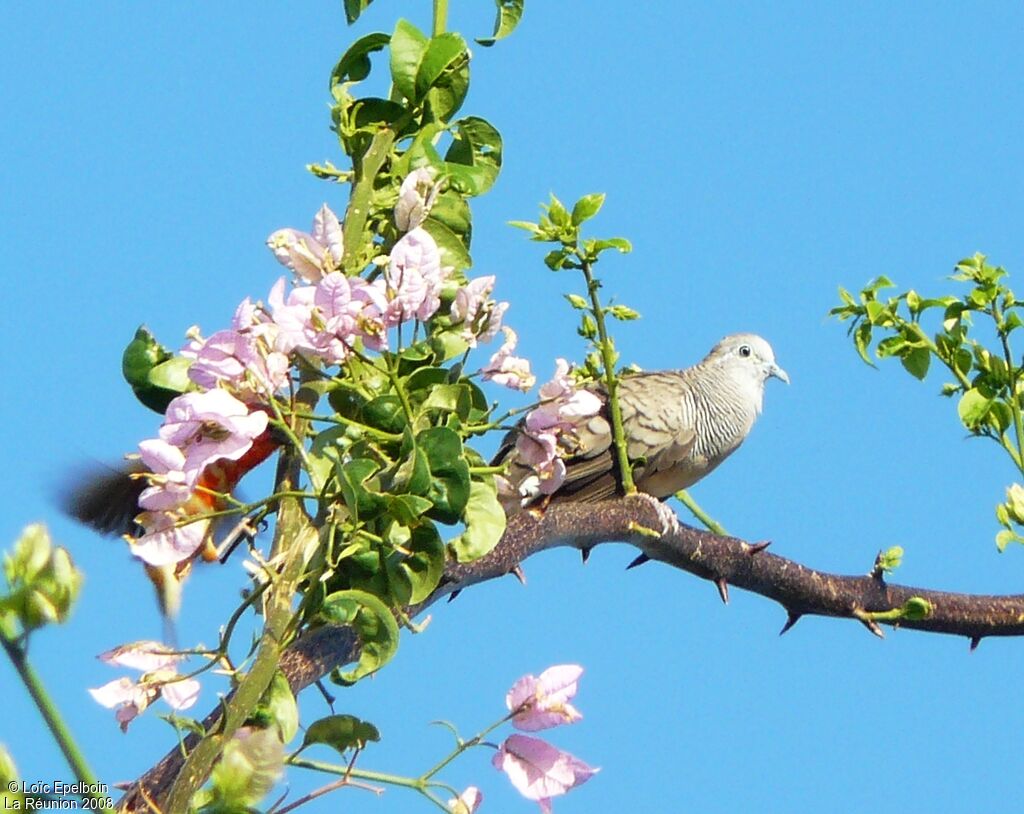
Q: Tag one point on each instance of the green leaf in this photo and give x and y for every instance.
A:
(385, 413)
(141, 358)
(449, 92)
(878, 313)
(406, 509)
(362, 499)
(421, 569)
(862, 341)
(474, 158)
(420, 383)
(354, 65)
(1001, 416)
(485, 523)
(374, 624)
(557, 212)
(448, 345)
(509, 14)
(449, 488)
(371, 114)
(413, 475)
(600, 245)
(622, 312)
(443, 54)
(889, 560)
(451, 398)
(586, 207)
(341, 733)
(916, 362)
(408, 45)
(353, 8)
(1005, 537)
(972, 408)
(577, 302)
(454, 248)
(556, 259)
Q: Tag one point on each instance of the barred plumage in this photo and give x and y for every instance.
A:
(679, 424)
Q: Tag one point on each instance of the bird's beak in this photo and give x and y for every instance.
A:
(778, 372)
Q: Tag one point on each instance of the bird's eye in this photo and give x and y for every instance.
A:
(744, 350)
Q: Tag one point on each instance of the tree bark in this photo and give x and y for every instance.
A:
(652, 528)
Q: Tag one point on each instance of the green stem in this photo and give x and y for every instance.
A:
(348, 422)
(51, 715)
(611, 381)
(361, 774)
(476, 740)
(487, 470)
(366, 168)
(1011, 372)
(440, 17)
(712, 525)
(392, 367)
(295, 540)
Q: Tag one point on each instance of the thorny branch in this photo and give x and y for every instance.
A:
(723, 560)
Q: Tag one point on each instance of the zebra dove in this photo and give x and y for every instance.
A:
(679, 425)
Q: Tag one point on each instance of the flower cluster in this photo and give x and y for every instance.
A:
(201, 429)
(538, 770)
(160, 679)
(549, 429)
(326, 317)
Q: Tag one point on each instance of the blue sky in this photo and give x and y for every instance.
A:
(758, 157)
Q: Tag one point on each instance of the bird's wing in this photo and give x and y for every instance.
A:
(105, 498)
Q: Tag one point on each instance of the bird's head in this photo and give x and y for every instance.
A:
(749, 357)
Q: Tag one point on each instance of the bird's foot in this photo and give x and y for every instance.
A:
(668, 519)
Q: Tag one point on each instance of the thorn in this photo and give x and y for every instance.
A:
(791, 619)
(518, 573)
(453, 594)
(585, 554)
(640, 560)
(757, 548)
(872, 625)
(876, 570)
(975, 641)
(723, 589)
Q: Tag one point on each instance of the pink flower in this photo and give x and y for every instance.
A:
(334, 318)
(160, 679)
(562, 406)
(371, 319)
(508, 370)
(236, 359)
(414, 278)
(165, 542)
(168, 487)
(310, 256)
(540, 451)
(538, 770)
(415, 198)
(210, 426)
(144, 656)
(481, 316)
(467, 802)
(543, 702)
(293, 317)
